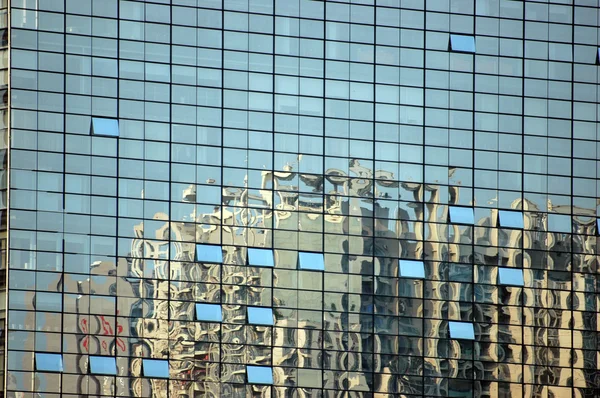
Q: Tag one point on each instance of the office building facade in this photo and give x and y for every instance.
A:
(300, 198)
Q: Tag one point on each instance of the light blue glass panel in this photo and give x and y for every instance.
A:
(461, 330)
(209, 254)
(510, 219)
(598, 226)
(48, 362)
(462, 43)
(259, 374)
(103, 126)
(412, 269)
(511, 276)
(462, 215)
(560, 223)
(260, 316)
(103, 365)
(260, 257)
(311, 261)
(209, 312)
(155, 368)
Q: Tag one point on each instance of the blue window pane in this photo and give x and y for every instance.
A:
(511, 276)
(412, 269)
(155, 368)
(48, 362)
(598, 57)
(209, 254)
(510, 219)
(209, 312)
(260, 316)
(260, 257)
(259, 374)
(560, 223)
(598, 226)
(462, 43)
(461, 330)
(311, 261)
(102, 126)
(462, 215)
(103, 365)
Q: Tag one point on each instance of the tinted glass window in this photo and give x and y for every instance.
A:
(259, 374)
(311, 261)
(209, 312)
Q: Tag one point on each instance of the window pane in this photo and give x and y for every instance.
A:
(260, 316)
(510, 219)
(259, 374)
(311, 261)
(559, 223)
(155, 368)
(260, 257)
(103, 365)
(209, 254)
(209, 312)
(462, 215)
(48, 362)
(103, 126)
(510, 276)
(461, 330)
(462, 43)
(412, 269)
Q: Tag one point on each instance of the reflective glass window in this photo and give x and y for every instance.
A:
(461, 330)
(412, 269)
(259, 374)
(155, 368)
(598, 57)
(559, 223)
(103, 365)
(260, 316)
(311, 261)
(510, 219)
(48, 362)
(598, 226)
(209, 312)
(461, 215)
(511, 276)
(462, 43)
(104, 126)
(209, 254)
(260, 257)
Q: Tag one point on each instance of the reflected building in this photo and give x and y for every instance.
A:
(299, 198)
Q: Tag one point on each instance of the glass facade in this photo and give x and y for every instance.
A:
(299, 198)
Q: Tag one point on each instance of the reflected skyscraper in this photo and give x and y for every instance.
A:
(299, 198)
